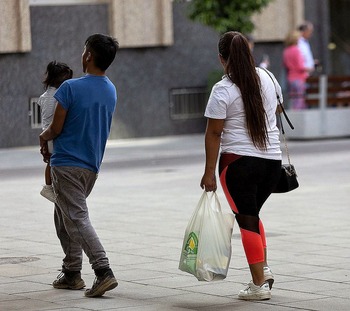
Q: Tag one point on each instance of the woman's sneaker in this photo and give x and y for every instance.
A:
(269, 278)
(255, 292)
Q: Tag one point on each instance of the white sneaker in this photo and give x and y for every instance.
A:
(48, 193)
(269, 278)
(254, 292)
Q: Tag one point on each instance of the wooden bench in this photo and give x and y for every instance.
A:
(336, 90)
(329, 100)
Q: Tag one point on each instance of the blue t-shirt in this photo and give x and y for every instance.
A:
(90, 102)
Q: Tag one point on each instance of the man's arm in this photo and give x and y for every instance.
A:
(56, 126)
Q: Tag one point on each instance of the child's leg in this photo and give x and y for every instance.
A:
(47, 191)
(48, 175)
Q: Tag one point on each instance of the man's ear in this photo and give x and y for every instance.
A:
(88, 57)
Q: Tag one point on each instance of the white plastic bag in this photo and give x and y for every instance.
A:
(206, 250)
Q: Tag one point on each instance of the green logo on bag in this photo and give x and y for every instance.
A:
(192, 244)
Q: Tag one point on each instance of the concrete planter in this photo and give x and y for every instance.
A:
(319, 123)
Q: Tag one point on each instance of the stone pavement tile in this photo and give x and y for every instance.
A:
(27, 305)
(121, 259)
(31, 247)
(340, 293)
(5, 297)
(47, 278)
(185, 282)
(154, 307)
(281, 278)
(336, 238)
(172, 252)
(315, 286)
(337, 274)
(127, 294)
(50, 261)
(281, 296)
(246, 305)
(6, 280)
(62, 299)
(140, 241)
(139, 291)
(138, 275)
(169, 266)
(53, 295)
(211, 302)
(235, 274)
(325, 304)
(312, 259)
(194, 301)
(222, 288)
(18, 270)
(21, 287)
(288, 268)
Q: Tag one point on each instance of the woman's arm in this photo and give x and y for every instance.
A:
(212, 146)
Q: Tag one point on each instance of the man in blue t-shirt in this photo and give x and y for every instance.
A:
(80, 128)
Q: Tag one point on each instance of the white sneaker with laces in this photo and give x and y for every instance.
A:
(255, 292)
(48, 193)
(269, 278)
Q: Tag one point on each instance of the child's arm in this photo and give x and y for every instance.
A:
(54, 130)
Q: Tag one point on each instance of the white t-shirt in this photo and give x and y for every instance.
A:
(304, 46)
(48, 104)
(225, 102)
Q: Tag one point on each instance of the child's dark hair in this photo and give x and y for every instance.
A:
(103, 49)
(56, 74)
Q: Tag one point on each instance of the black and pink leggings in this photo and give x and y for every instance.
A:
(247, 183)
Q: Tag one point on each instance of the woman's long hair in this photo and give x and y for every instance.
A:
(240, 69)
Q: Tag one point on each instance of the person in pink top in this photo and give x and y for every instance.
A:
(297, 73)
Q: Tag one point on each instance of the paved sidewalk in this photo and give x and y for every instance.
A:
(146, 192)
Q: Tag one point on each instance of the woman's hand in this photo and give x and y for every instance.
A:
(208, 182)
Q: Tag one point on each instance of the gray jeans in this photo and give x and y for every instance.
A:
(72, 185)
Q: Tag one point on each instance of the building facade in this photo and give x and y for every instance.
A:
(161, 70)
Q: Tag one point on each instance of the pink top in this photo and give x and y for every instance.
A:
(293, 61)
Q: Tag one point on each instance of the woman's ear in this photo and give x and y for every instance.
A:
(222, 61)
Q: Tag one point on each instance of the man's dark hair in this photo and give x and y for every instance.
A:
(103, 49)
(305, 26)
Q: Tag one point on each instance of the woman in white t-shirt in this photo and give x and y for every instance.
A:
(241, 114)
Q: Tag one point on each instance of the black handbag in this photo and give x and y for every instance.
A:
(288, 179)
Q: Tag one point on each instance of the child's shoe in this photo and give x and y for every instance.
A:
(48, 193)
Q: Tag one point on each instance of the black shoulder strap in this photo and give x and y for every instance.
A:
(280, 104)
